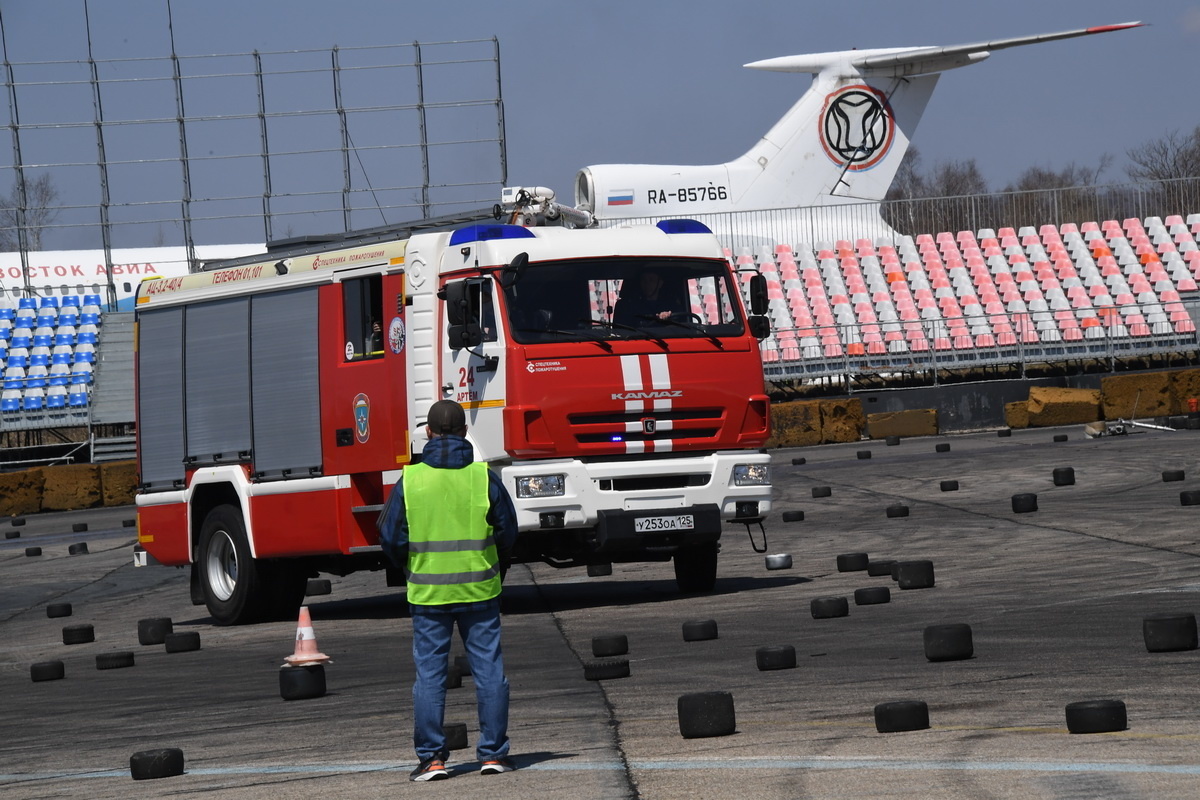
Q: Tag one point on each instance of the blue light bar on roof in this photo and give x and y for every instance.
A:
(483, 233)
(682, 226)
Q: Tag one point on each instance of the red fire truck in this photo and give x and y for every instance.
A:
(280, 396)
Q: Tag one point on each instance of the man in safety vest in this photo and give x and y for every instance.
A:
(448, 523)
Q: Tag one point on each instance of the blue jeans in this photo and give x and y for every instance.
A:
(479, 628)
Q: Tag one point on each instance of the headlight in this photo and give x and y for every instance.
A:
(542, 486)
(751, 474)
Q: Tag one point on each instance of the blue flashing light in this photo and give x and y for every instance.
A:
(682, 226)
(616, 437)
(483, 233)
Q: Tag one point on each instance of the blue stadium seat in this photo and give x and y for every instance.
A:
(68, 317)
(37, 378)
(25, 319)
(47, 317)
(56, 397)
(71, 301)
(21, 337)
(27, 302)
(78, 397)
(89, 318)
(85, 353)
(37, 359)
(64, 337)
(17, 360)
(60, 374)
(10, 401)
(35, 399)
(49, 301)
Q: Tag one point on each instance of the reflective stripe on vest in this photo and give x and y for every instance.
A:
(451, 553)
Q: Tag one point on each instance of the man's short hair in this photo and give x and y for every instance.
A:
(446, 416)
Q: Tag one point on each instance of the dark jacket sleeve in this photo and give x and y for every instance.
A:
(502, 516)
(393, 527)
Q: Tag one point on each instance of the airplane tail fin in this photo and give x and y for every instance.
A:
(844, 138)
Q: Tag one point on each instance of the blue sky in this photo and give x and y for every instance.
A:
(661, 81)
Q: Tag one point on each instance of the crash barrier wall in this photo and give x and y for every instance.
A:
(1041, 402)
(67, 488)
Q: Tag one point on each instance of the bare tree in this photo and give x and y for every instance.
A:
(41, 200)
(1173, 155)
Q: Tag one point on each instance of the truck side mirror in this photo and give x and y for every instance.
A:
(760, 327)
(464, 336)
(455, 295)
(758, 295)
(462, 312)
(513, 270)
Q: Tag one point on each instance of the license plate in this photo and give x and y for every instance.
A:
(683, 522)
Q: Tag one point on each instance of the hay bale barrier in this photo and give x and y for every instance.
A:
(1051, 406)
(903, 424)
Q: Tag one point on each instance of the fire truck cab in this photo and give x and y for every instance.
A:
(280, 396)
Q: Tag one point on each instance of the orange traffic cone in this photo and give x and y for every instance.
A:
(306, 644)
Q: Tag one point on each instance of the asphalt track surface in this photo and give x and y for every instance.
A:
(1055, 599)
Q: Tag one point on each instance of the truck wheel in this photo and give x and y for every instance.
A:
(235, 591)
(696, 568)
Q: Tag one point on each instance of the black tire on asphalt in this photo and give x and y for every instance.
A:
(33, 551)
(154, 630)
(1167, 633)
(829, 607)
(878, 569)
(872, 596)
(1024, 503)
(1064, 476)
(699, 630)
(916, 574)
(55, 610)
(822, 491)
(302, 683)
(942, 447)
(182, 642)
(793, 516)
(47, 671)
(1004, 432)
(1192, 423)
(951, 642)
(781, 656)
(798, 461)
(129, 523)
(165, 762)
(456, 735)
(616, 644)
(18, 522)
(779, 561)
(696, 567)
(315, 587)
(118, 660)
(1189, 497)
(78, 549)
(901, 715)
(892, 441)
(864, 455)
(853, 562)
(1060, 437)
(1172, 475)
(12, 534)
(606, 670)
(896, 511)
(705, 714)
(1096, 716)
(949, 486)
(78, 634)
(78, 527)
(599, 570)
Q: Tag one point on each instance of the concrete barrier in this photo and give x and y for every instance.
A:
(914, 422)
(70, 487)
(118, 482)
(21, 492)
(801, 423)
(1016, 415)
(1049, 406)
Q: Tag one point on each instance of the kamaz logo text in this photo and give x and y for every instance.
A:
(660, 394)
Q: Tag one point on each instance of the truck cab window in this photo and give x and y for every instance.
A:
(362, 307)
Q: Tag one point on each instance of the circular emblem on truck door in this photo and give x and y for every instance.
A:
(362, 418)
(857, 127)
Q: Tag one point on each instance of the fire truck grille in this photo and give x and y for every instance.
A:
(653, 482)
(675, 425)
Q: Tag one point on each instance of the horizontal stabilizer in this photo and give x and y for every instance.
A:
(896, 61)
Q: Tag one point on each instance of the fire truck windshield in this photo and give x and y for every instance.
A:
(622, 298)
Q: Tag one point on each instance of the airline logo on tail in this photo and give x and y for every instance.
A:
(857, 127)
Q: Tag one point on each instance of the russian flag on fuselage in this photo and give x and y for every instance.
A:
(620, 197)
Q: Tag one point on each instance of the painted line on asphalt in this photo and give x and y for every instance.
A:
(823, 763)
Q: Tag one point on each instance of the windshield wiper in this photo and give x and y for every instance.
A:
(582, 336)
(613, 325)
(689, 325)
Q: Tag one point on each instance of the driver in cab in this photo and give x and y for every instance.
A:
(646, 300)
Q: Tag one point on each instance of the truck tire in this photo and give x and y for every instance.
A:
(696, 568)
(236, 588)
